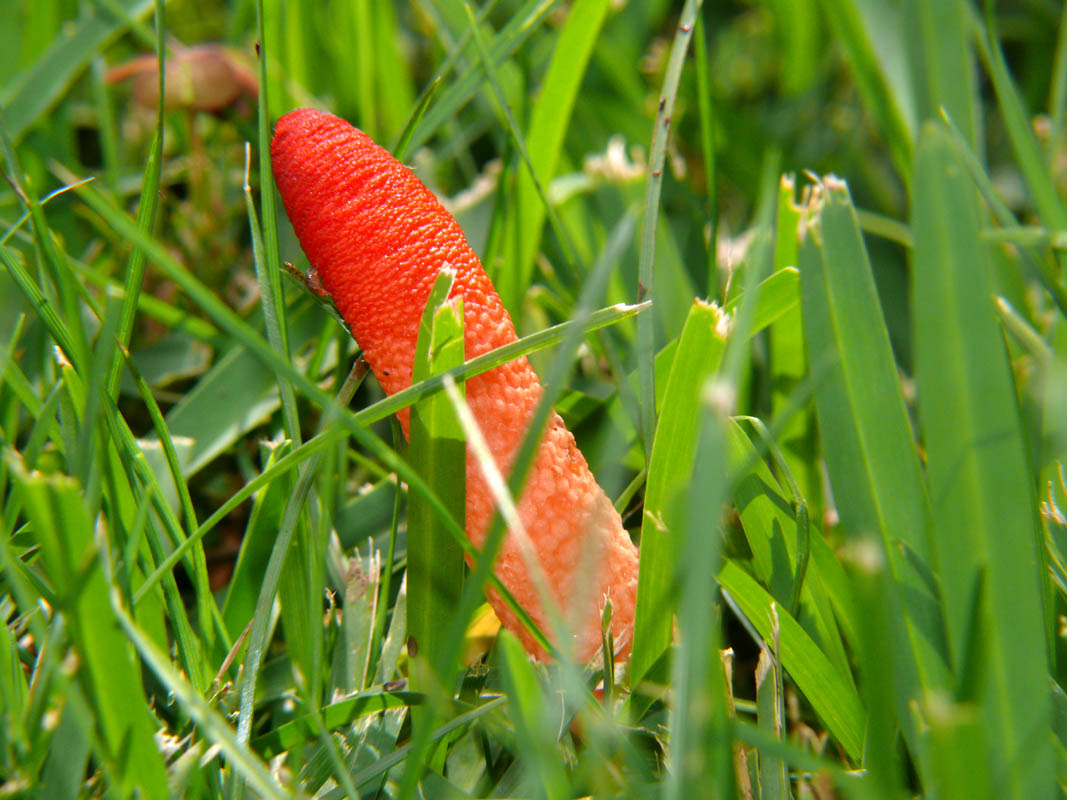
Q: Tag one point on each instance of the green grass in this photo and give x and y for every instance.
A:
(792, 273)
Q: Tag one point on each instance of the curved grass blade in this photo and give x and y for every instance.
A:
(774, 537)
(209, 722)
(336, 715)
(403, 143)
(834, 699)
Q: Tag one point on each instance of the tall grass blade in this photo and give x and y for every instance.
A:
(699, 350)
(943, 71)
(1046, 199)
(789, 366)
(700, 740)
(146, 213)
(770, 705)
(650, 218)
(869, 33)
(872, 581)
(438, 452)
(773, 533)
(983, 503)
(551, 113)
(868, 443)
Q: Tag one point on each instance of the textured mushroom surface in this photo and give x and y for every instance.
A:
(378, 238)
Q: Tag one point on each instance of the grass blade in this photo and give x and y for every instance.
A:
(983, 503)
(263, 521)
(1037, 264)
(700, 742)
(673, 452)
(208, 720)
(1032, 165)
(773, 775)
(522, 23)
(707, 144)
(534, 729)
(872, 583)
(773, 536)
(551, 113)
(866, 30)
(213, 414)
(292, 734)
(834, 700)
(265, 254)
(109, 672)
(1058, 90)
(943, 69)
(650, 217)
(868, 443)
(438, 453)
(799, 439)
(146, 215)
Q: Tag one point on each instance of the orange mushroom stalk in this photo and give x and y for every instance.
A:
(378, 238)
